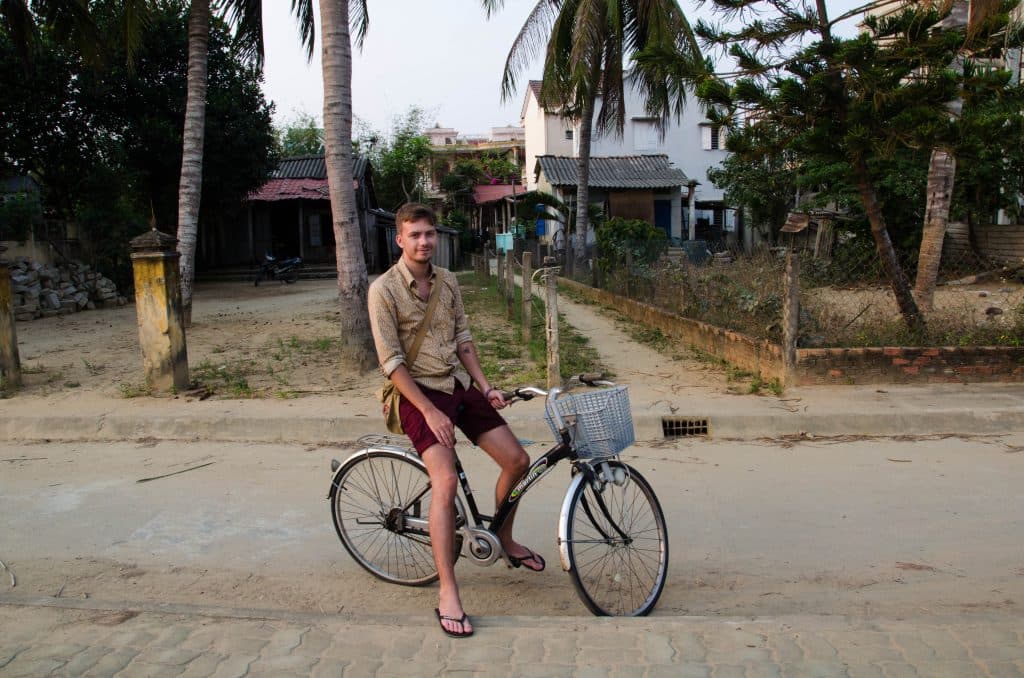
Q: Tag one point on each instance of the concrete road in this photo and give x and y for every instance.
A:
(869, 529)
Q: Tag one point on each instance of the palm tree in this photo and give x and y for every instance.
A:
(587, 42)
(247, 18)
(191, 182)
(336, 48)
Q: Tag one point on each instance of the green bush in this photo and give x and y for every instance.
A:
(621, 242)
(18, 215)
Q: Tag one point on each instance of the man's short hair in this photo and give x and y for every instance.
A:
(414, 211)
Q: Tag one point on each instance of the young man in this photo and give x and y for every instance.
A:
(438, 394)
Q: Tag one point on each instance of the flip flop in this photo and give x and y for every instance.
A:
(535, 557)
(461, 620)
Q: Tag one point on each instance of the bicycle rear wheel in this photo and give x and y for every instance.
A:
(380, 501)
(617, 543)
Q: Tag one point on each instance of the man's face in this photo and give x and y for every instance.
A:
(417, 240)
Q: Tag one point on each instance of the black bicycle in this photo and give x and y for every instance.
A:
(612, 537)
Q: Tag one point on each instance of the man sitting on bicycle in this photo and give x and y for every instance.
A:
(438, 395)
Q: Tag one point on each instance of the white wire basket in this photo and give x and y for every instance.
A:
(600, 422)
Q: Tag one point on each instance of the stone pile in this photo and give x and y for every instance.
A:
(41, 290)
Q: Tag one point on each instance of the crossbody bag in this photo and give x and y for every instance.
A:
(389, 394)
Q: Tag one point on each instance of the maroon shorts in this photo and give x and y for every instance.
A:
(466, 408)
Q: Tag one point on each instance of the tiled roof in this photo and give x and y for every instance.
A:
(491, 193)
(634, 171)
(313, 167)
(291, 189)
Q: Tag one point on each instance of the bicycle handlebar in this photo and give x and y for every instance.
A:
(529, 392)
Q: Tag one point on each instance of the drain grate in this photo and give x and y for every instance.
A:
(681, 427)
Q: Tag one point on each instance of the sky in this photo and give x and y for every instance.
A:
(444, 56)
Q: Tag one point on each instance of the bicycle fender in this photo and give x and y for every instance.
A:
(367, 450)
(563, 520)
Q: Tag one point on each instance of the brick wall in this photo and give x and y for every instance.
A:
(902, 365)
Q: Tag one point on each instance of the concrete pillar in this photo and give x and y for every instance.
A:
(159, 311)
(10, 364)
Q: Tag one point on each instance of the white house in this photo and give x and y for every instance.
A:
(692, 144)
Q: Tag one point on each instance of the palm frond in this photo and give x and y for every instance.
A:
(358, 21)
(532, 37)
(246, 17)
(304, 12)
(135, 20)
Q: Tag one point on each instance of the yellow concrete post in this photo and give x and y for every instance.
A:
(10, 365)
(159, 310)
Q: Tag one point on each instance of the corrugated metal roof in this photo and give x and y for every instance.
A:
(313, 167)
(633, 171)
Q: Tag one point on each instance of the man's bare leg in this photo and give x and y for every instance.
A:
(504, 448)
(440, 461)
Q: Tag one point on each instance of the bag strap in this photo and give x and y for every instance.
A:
(422, 329)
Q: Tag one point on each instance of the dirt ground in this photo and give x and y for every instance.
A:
(281, 341)
(968, 305)
(245, 341)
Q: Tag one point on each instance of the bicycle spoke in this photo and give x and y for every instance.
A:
(375, 495)
(617, 546)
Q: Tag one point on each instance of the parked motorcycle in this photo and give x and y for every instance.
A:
(272, 268)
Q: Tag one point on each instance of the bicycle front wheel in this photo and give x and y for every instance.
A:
(380, 504)
(617, 543)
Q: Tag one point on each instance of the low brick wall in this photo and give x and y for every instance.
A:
(902, 365)
(839, 366)
(757, 356)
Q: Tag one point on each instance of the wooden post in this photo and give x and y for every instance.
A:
(527, 295)
(791, 316)
(10, 364)
(551, 318)
(501, 273)
(629, 273)
(510, 284)
(159, 309)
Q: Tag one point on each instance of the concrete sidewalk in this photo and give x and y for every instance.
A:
(818, 411)
(92, 638)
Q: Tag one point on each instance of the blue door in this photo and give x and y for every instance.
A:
(663, 216)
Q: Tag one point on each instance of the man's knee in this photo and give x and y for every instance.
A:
(519, 462)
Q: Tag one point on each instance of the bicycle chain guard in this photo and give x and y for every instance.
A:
(482, 546)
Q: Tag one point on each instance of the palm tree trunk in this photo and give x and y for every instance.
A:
(191, 183)
(356, 339)
(886, 252)
(583, 186)
(941, 174)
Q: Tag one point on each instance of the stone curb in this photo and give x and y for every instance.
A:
(648, 426)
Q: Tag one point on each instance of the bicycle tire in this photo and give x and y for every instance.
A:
(369, 490)
(613, 575)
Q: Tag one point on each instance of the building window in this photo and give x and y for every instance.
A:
(568, 135)
(712, 137)
(645, 135)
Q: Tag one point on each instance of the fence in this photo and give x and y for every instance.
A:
(830, 319)
(536, 316)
